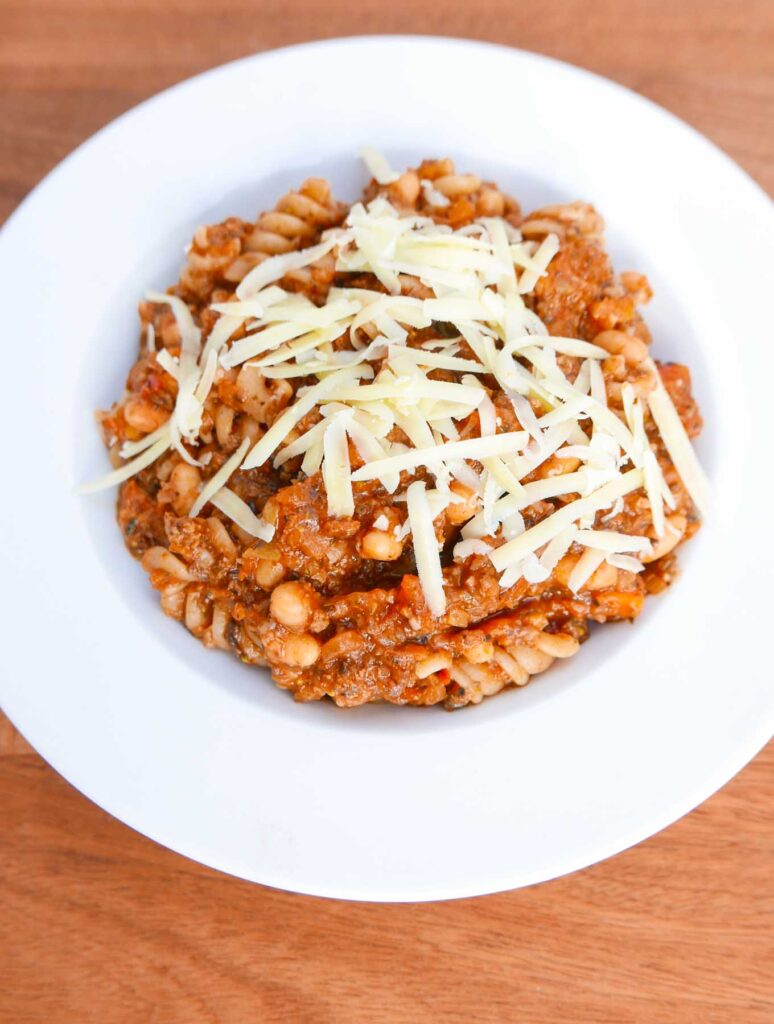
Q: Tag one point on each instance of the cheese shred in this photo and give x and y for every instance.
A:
(426, 553)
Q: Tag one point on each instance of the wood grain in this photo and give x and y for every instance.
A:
(98, 923)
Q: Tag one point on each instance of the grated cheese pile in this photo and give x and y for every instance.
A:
(477, 276)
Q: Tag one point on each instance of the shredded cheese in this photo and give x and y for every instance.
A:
(131, 448)
(556, 549)
(129, 470)
(337, 475)
(220, 479)
(611, 541)
(410, 389)
(426, 548)
(225, 326)
(377, 166)
(190, 334)
(548, 248)
(553, 525)
(231, 505)
(465, 548)
(275, 267)
(678, 444)
(282, 426)
(497, 444)
(625, 562)
(371, 376)
(584, 568)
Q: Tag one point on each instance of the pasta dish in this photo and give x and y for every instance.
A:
(407, 450)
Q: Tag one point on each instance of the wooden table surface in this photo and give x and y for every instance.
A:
(100, 924)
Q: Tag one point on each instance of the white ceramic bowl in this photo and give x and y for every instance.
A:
(202, 753)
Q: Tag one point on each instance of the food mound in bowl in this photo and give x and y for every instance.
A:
(404, 450)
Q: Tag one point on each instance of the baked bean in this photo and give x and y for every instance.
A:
(224, 424)
(143, 415)
(673, 534)
(381, 545)
(301, 651)
(260, 397)
(452, 185)
(252, 390)
(292, 604)
(186, 481)
(580, 217)
(618, 342)
(605, 576)
(536, 227)
(268, 551)
(490, 203)
(268, 574)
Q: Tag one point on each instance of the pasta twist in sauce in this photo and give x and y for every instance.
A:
(296, 222)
